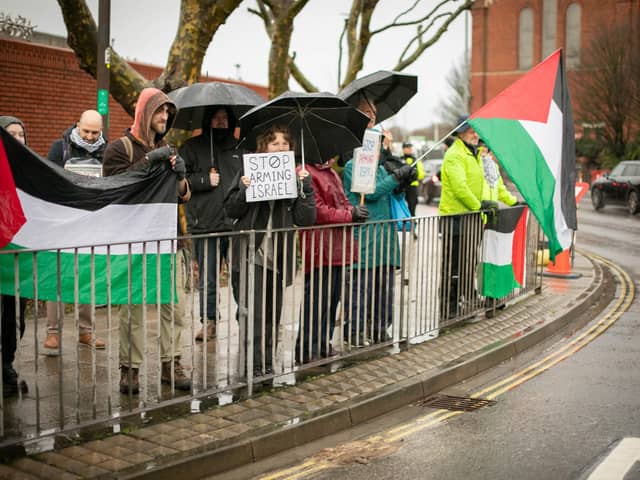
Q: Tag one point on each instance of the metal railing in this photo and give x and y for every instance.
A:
(285, 301)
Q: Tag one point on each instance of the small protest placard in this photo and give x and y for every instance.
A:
(272, 176)
(365, 163)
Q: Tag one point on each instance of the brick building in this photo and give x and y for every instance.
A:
(44, 87)
(511, 36)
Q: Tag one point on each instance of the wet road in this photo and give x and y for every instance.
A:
(558, 425)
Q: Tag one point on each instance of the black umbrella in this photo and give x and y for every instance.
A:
(388, 91)
(193, 101)
(322, 124)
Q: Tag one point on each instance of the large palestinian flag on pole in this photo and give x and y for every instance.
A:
(529, 127)
(103, 220)
(503, 252)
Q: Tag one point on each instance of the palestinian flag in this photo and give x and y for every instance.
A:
(529, 127)
(103, 220)
(503, 253)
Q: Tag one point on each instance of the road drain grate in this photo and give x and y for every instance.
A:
(461, 404)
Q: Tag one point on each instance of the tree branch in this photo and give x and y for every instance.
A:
(409, 23)
(422, 45)
(199, 21)
(299, 77)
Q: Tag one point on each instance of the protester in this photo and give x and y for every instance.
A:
(462, 192)
(494, 188)
(327, 252)
(82, 140)
(154, 114)
(8, 327)
(14, 127)
(277, 268)
(379, 249)
(212, 162)
(411, 192)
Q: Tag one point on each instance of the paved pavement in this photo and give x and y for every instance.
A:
(220, 438)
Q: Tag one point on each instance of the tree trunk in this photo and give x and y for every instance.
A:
(279, 58)
(199, 21)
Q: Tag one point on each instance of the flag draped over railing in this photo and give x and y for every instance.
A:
(48, 209)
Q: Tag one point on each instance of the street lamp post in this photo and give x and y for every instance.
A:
(104, 62)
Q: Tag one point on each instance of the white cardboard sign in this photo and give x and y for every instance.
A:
(272, 176)
(365, 163)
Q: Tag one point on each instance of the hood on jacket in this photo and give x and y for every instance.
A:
(6, 120)
(150, 100)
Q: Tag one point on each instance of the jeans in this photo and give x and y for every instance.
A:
(212, 261)
(372, 309)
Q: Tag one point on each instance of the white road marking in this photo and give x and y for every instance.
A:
(619, 461)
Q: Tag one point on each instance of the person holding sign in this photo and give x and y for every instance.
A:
(372, 313)
(326, 253)
(261, 199)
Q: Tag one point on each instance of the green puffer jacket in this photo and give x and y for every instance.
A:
(462, 180)
(381, 236)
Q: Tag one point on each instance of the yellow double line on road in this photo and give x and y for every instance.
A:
(622, 304)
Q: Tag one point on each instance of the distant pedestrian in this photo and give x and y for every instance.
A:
(411, 191)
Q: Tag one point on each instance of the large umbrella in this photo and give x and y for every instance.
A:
(192, 101)
(388, 91)
(322, 124)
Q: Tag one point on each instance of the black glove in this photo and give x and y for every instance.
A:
(359, 214)
(180, 168)
(406, 174)
(489, 206)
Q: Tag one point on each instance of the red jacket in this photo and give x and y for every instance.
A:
(332, 206)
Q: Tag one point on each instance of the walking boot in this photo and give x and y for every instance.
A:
(51, 342)
(129, 384)
(85, 339)
(180, 379)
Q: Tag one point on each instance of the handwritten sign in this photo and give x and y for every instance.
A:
(365, 163)
(272, 176)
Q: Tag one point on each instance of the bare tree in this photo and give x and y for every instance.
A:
(457, 101)
(429, 23)
(608, 92)
(278, 16)
(199, 21)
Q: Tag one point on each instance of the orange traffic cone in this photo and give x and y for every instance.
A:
(561, 267)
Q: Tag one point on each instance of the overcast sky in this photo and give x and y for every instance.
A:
(144, 29)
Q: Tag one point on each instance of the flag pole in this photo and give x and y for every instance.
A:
(438, 143)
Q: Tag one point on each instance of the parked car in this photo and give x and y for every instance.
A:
(431, 186)
(621, 187)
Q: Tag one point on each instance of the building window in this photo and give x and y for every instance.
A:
(549, 26)
(573, 35)
(525, 40)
